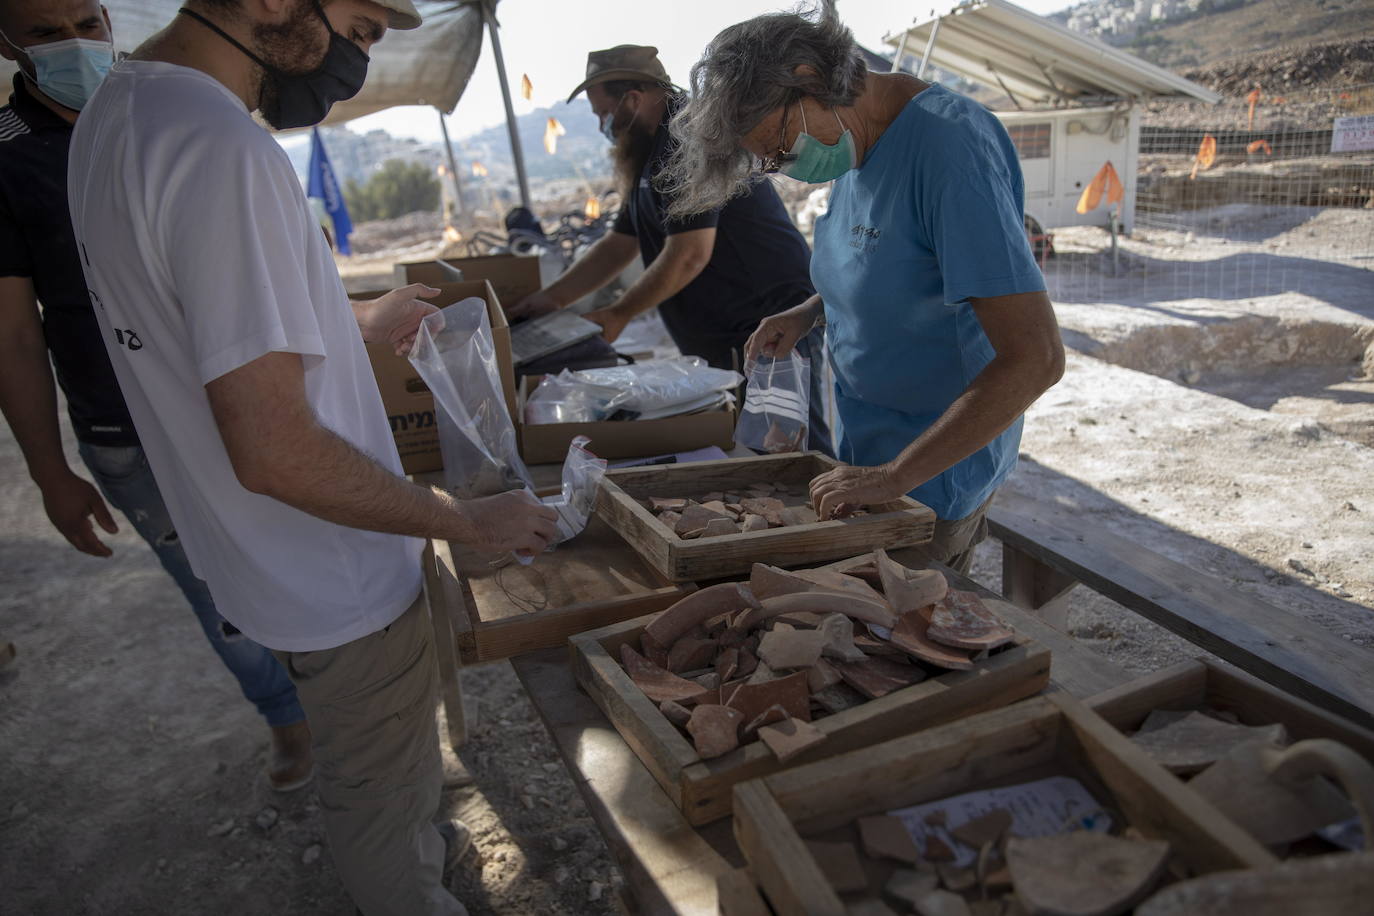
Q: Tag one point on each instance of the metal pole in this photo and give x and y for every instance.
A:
(930, 45)
(516, 152)
(901, 49)
(452, 164)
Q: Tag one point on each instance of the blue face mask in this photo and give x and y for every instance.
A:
(815, 162)
(608, 122)
(69, 71)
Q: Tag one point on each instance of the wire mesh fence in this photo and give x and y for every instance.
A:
(1234, 200)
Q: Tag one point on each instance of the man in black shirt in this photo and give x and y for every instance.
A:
(39, 263)
(712, 277)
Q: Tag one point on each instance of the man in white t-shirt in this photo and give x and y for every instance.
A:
(245, 373)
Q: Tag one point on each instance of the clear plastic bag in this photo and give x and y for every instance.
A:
(776, 404)
(655, 384)
(564, 398)
(582, 473)
(454, 355)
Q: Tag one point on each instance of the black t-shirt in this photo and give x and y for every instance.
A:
(760, 264)
(36, 241)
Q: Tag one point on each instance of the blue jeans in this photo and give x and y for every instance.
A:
(123, 475)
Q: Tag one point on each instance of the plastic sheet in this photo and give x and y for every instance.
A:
(564, 398)
(654, 385)
(582, 473)
(454, 355)
(776, 404)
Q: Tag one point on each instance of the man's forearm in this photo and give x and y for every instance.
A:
(664, 279)
(611, 254)
(28, 399)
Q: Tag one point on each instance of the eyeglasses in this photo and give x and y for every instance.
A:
(771, 165)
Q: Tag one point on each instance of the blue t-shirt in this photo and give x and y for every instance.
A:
(931, 218)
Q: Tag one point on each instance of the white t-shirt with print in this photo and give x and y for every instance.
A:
(202, 255)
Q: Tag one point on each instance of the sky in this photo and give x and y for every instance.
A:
(549, 40)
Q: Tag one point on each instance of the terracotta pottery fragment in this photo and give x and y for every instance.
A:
(909, 635)
(818, 602)
(667, 503)
(1084, 873)
(718, 507)
(789, 692)
(877, 677)
(670, 519)
(710, 680)
(774, 713)
(767, 506)
(690, 652)
(839, 639)
(908, 885)
(781, 649)
(675, 713)
(840, 864)
(869, 644)
(956, 879)
(788, 738)
(726, 663)
(752, 522)
(1196, 741)
(960, 619)
(821, 675)
(886, 837)
(748, 662)
(653, 651)
(705, 698)
(936, 818)
(908, 589)
(937, 850)
(657, 683)
(696, 518)
(837, 698)
(798, 515)
(1337, 885)
(987, 828)
(719, 526)
(697, 608)
(762, 674)
(804, 620)
(714, 730)
(713, 496)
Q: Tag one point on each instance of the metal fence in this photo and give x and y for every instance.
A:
(1234, 200)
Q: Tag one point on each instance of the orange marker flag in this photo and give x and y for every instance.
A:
(1105, 181)
(1206, 154)
(1258, 145)
(1253, 98)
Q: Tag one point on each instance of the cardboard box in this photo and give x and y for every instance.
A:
(408, 401)
(512, 276)
(612, 439)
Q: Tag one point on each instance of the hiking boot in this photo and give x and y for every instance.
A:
(293, 764)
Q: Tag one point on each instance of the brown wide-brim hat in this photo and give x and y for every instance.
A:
(623, 62)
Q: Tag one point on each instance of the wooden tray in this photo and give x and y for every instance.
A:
(1195, 683)
(903, 523)
(701, 788)
(591, 581)
(1043, 736)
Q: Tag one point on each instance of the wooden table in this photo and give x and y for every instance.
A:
(669, 866)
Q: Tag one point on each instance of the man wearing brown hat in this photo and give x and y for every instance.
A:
(714, 276)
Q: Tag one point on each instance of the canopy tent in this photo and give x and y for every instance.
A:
(430, 65)
(1034, 60)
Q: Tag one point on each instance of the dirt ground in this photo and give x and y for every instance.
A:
(1232, 431)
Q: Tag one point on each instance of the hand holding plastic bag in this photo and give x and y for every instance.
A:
(582, 473)
(776, 404)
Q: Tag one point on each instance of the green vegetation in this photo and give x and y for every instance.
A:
(397, 188)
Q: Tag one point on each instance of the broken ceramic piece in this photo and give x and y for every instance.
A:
(667, 503)
(907, 885)
(821, 675)
(909, 635)
(840, 864)
(748, 662)
(886, 837)
(714, 730)
(695, 518)
(658, 684)
(781, 649)
(670, 519)
(790, 692)
(877, 677)
(986, 828)
(837, 698)
(798, 515)
(937, 850)
(956, 879)
(1329, 885)
(1196, 741)
(908, 589)
(961, 620)
(839, 639)
(774, 713)
(818, 602)
(1084, 873)
(709, 681)
(697, 608)
(675, 713)
(726, 663)
(691, 651)
(653, 651)
(791, 736)
(752, 522)
(719, 526)
(767, 506)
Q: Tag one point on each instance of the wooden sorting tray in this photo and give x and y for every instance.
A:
(592, 580)
(701, 788)
(1195, 683)
(902, 523)
(1050, 735)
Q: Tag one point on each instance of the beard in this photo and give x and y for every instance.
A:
(296, 46)
(629, 156)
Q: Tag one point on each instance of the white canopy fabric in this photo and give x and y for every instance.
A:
(1035, 60)
(430, 65)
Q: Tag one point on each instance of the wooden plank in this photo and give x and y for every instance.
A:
(1279, 647)
(669, 867)
(739, 895)
(446, 650)
(1030, 584)
(1155, 801)
(785, 868)
(508, 637)
(1181, 686)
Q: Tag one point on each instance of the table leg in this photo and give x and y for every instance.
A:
(1030, 584)
(446, 652)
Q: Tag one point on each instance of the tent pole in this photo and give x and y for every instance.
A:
(930, 46)
(452, 163)
(516, 152)
(901, 49)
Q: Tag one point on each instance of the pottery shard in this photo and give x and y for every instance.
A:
(718, 526)
(877, 677)
(774, 713)
(748, 662)
(1196, 741)
(837, 698)
(960, 619)
(754, 522)
(987, 828)
(709, 681)
(670, 519)
(653, 651)
(956, 879)
(840, 864)
(691, 652)
(714, 730)
(821, 675)
(770, 507)
(790, 737)
(838, 631)
(713, 497)
(789, 692)
(696, 518)
(886, 837)
(726, 663)
(791, 648)
(1084, 873)
(675, 713)
(937, 850)
(719, 508)
(667, 503)
(909, 635)
(872, 645)
(907, 885)
(798, 515)
(908, 589)
(657, 683)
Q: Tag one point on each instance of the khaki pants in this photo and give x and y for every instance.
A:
(955, 539)
(370, 704)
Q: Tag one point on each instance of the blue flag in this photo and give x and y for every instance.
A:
(325, 186)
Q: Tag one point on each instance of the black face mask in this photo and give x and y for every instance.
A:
(304, 99)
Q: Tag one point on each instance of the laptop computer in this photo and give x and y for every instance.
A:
(529, 340)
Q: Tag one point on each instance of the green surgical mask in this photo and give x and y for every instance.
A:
(815, 162)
